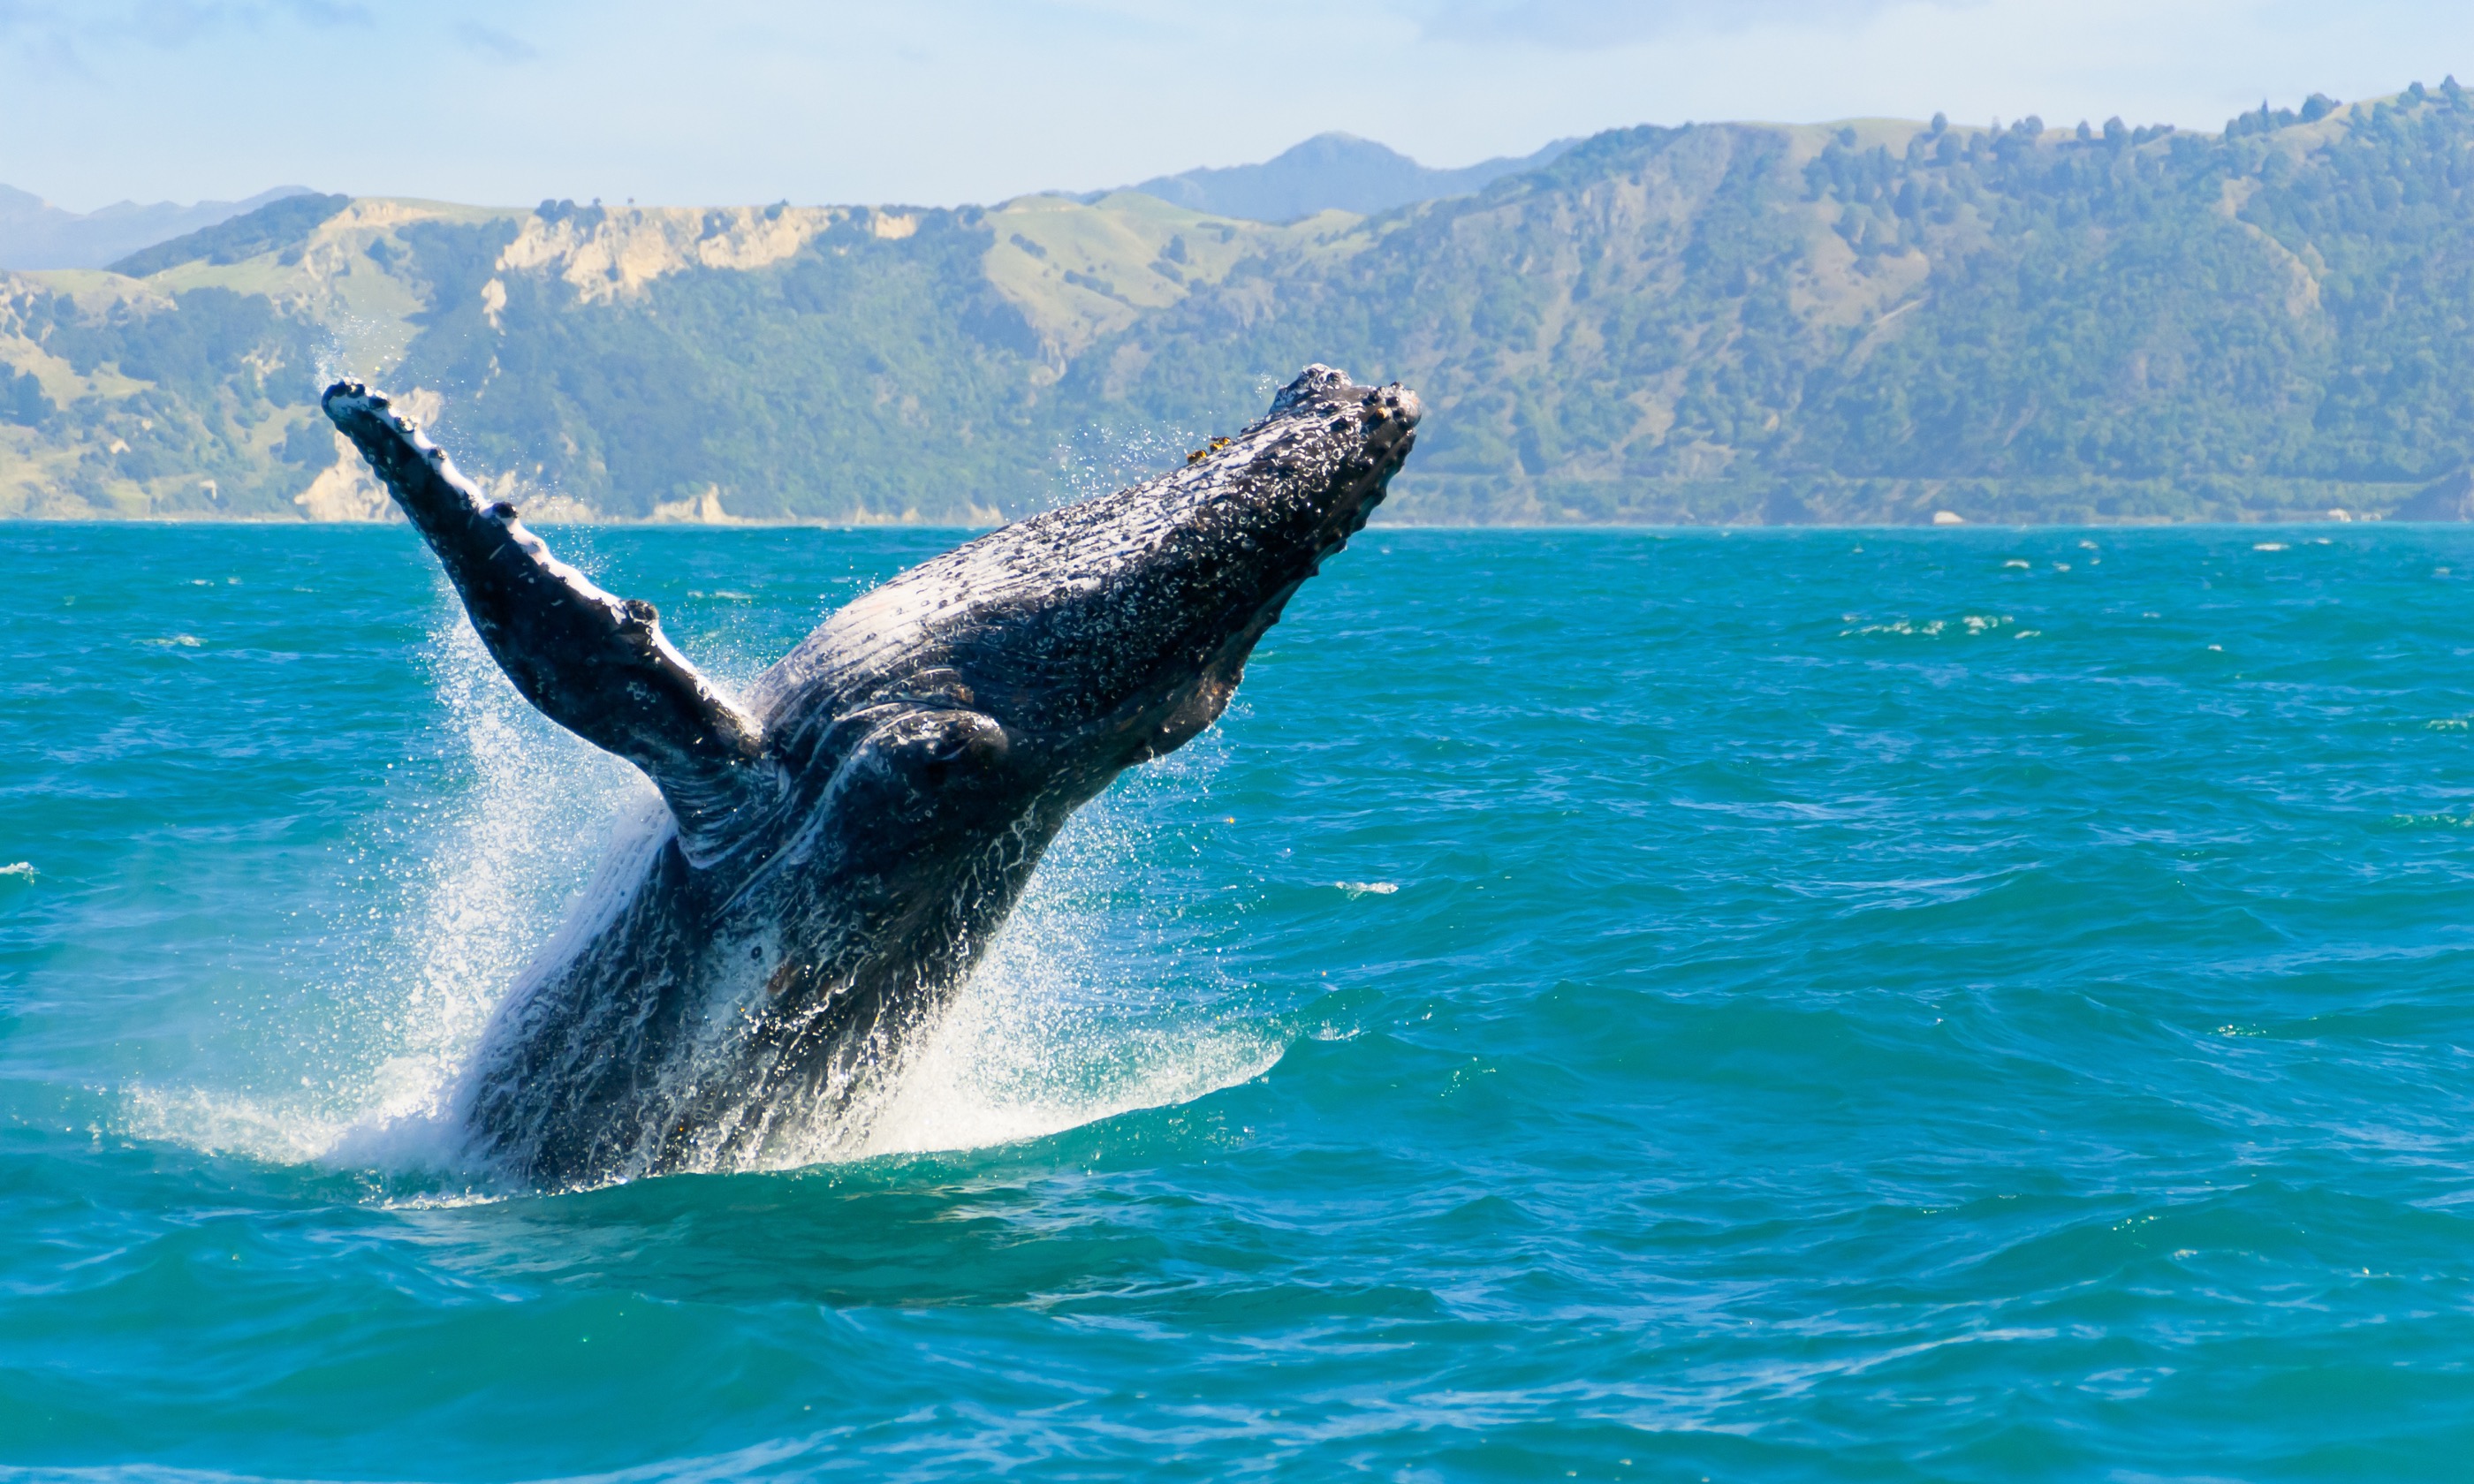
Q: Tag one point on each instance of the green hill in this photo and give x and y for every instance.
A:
(1867, 322)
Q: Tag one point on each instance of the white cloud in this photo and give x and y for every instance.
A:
(498, 45)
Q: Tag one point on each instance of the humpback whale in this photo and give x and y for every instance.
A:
(841, 841)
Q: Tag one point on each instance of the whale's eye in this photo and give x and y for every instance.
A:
(934, 749)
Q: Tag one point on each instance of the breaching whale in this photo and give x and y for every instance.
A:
(843, 840)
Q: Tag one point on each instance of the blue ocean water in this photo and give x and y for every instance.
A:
(1957, 1005)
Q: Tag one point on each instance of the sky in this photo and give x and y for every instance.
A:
(944, 102)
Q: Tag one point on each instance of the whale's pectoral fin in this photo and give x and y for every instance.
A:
(593, 663)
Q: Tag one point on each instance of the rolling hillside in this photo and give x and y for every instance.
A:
(1868, 322)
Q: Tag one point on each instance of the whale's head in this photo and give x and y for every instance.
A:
(1042, 660)
(1116, 630)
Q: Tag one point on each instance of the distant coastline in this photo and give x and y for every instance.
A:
(1869, 322)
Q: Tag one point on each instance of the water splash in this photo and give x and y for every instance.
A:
(469, 887)
(1079, 1012)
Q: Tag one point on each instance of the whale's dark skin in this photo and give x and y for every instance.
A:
(845, 838)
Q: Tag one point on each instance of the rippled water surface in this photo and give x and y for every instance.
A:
(1960, 1005)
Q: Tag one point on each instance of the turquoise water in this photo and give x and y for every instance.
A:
(1614, 1005)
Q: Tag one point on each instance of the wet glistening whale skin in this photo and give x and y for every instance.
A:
(844, 839)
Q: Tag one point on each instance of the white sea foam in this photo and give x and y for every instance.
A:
(1931, 628)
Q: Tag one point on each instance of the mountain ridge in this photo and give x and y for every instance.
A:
(37, 236)
(1874, 321)
(1330, 172)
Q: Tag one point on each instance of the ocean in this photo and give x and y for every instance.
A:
(1821, 1004)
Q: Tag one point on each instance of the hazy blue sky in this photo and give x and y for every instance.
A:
(945, 101)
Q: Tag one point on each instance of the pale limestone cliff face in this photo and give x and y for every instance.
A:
(626, 248)
(703, 510)
(345, 492)
(549, 510)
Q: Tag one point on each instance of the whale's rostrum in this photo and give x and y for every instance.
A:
(843, 840)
